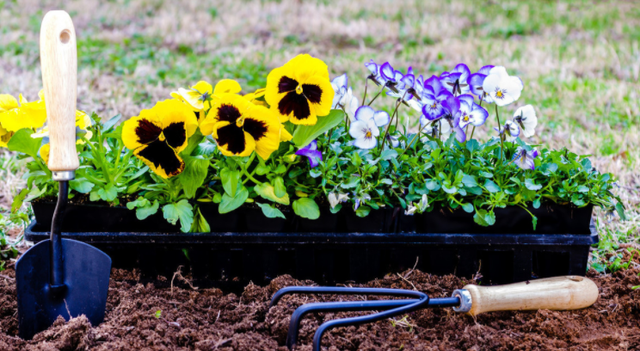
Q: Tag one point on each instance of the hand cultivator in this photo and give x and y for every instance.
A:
(559, 293)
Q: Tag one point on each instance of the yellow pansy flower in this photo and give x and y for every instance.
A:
(83, 121)
(159, 134)
(5, 135)
(202, 92)
(300, 91)
(241, 127)
(15, 116)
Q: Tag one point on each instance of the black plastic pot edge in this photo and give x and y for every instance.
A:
(36, 234)
(552, 219)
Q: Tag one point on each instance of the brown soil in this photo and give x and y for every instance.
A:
(207, 319)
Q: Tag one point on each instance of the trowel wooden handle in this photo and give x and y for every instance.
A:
(558, 293)
(58, 58)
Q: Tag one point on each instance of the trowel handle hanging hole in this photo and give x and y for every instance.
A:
(65, 36)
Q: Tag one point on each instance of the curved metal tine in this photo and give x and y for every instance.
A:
(317, 337)
(300, 312)
(341, 291)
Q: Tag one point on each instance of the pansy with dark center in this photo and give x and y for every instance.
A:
(475, 82)
(525, 159)
(200, 96)
(451, 118)
(434, 94)
(300, 91)
(158, 135)
(240, 127)
(456, 80)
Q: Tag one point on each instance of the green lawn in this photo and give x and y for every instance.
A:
(579, 60)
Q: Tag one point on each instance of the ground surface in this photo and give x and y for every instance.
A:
(143, 317)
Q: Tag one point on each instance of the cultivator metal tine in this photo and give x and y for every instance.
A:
(334, 290)
(390, 307)
(300, 312)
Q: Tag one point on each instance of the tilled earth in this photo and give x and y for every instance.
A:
(157, 316)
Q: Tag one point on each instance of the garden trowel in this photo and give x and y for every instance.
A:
(60, 277)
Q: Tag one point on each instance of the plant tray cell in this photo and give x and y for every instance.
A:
(230, 260)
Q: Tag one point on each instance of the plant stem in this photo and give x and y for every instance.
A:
(386, 131)
(366, 84)
(500, 131)
(412, 141)
(243, 168)
(376, 96)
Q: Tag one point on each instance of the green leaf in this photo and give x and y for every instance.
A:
(531, 185)
(108, 193)
(473, 145)
(18, 200)
(22, 142)
(229, 203)
(536, 203)
(620, 210)
(267, 191)
(279, 188)
(306, 208)
(270, 211)
(468, 208)
(304, 135)
(81, 185)
(363, 211)
(262, 169)
(205, 148)
(106, 126)
(200, 224)
(230, 181)
(388, 154)
(145, 211)
(181, 211)
(491, 186)
(469, 181)
(194, 174)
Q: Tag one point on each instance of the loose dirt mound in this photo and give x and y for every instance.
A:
(142, 316)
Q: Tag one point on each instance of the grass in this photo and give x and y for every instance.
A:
(579, 60)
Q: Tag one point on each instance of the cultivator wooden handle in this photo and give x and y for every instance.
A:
(558, 293)
(58, 58)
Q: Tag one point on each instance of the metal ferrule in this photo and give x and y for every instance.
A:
(465, 300)
(63, 175)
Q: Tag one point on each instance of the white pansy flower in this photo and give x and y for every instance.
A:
(503, 88)
(335, 199)
(526, 118)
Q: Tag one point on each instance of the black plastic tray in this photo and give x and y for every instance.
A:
(230, 260)
(552, 219)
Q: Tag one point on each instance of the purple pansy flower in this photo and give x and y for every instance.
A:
(475, 83)
(525, 159)
(470, 112)
(434, 94)
(510, 130)
(311, 152)
(404, 85)
(456, 80)
(375, 75)
(451, 118)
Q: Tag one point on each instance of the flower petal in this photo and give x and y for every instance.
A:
(364, 113)
(381, 118)
(227, 86)
(161, 158)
